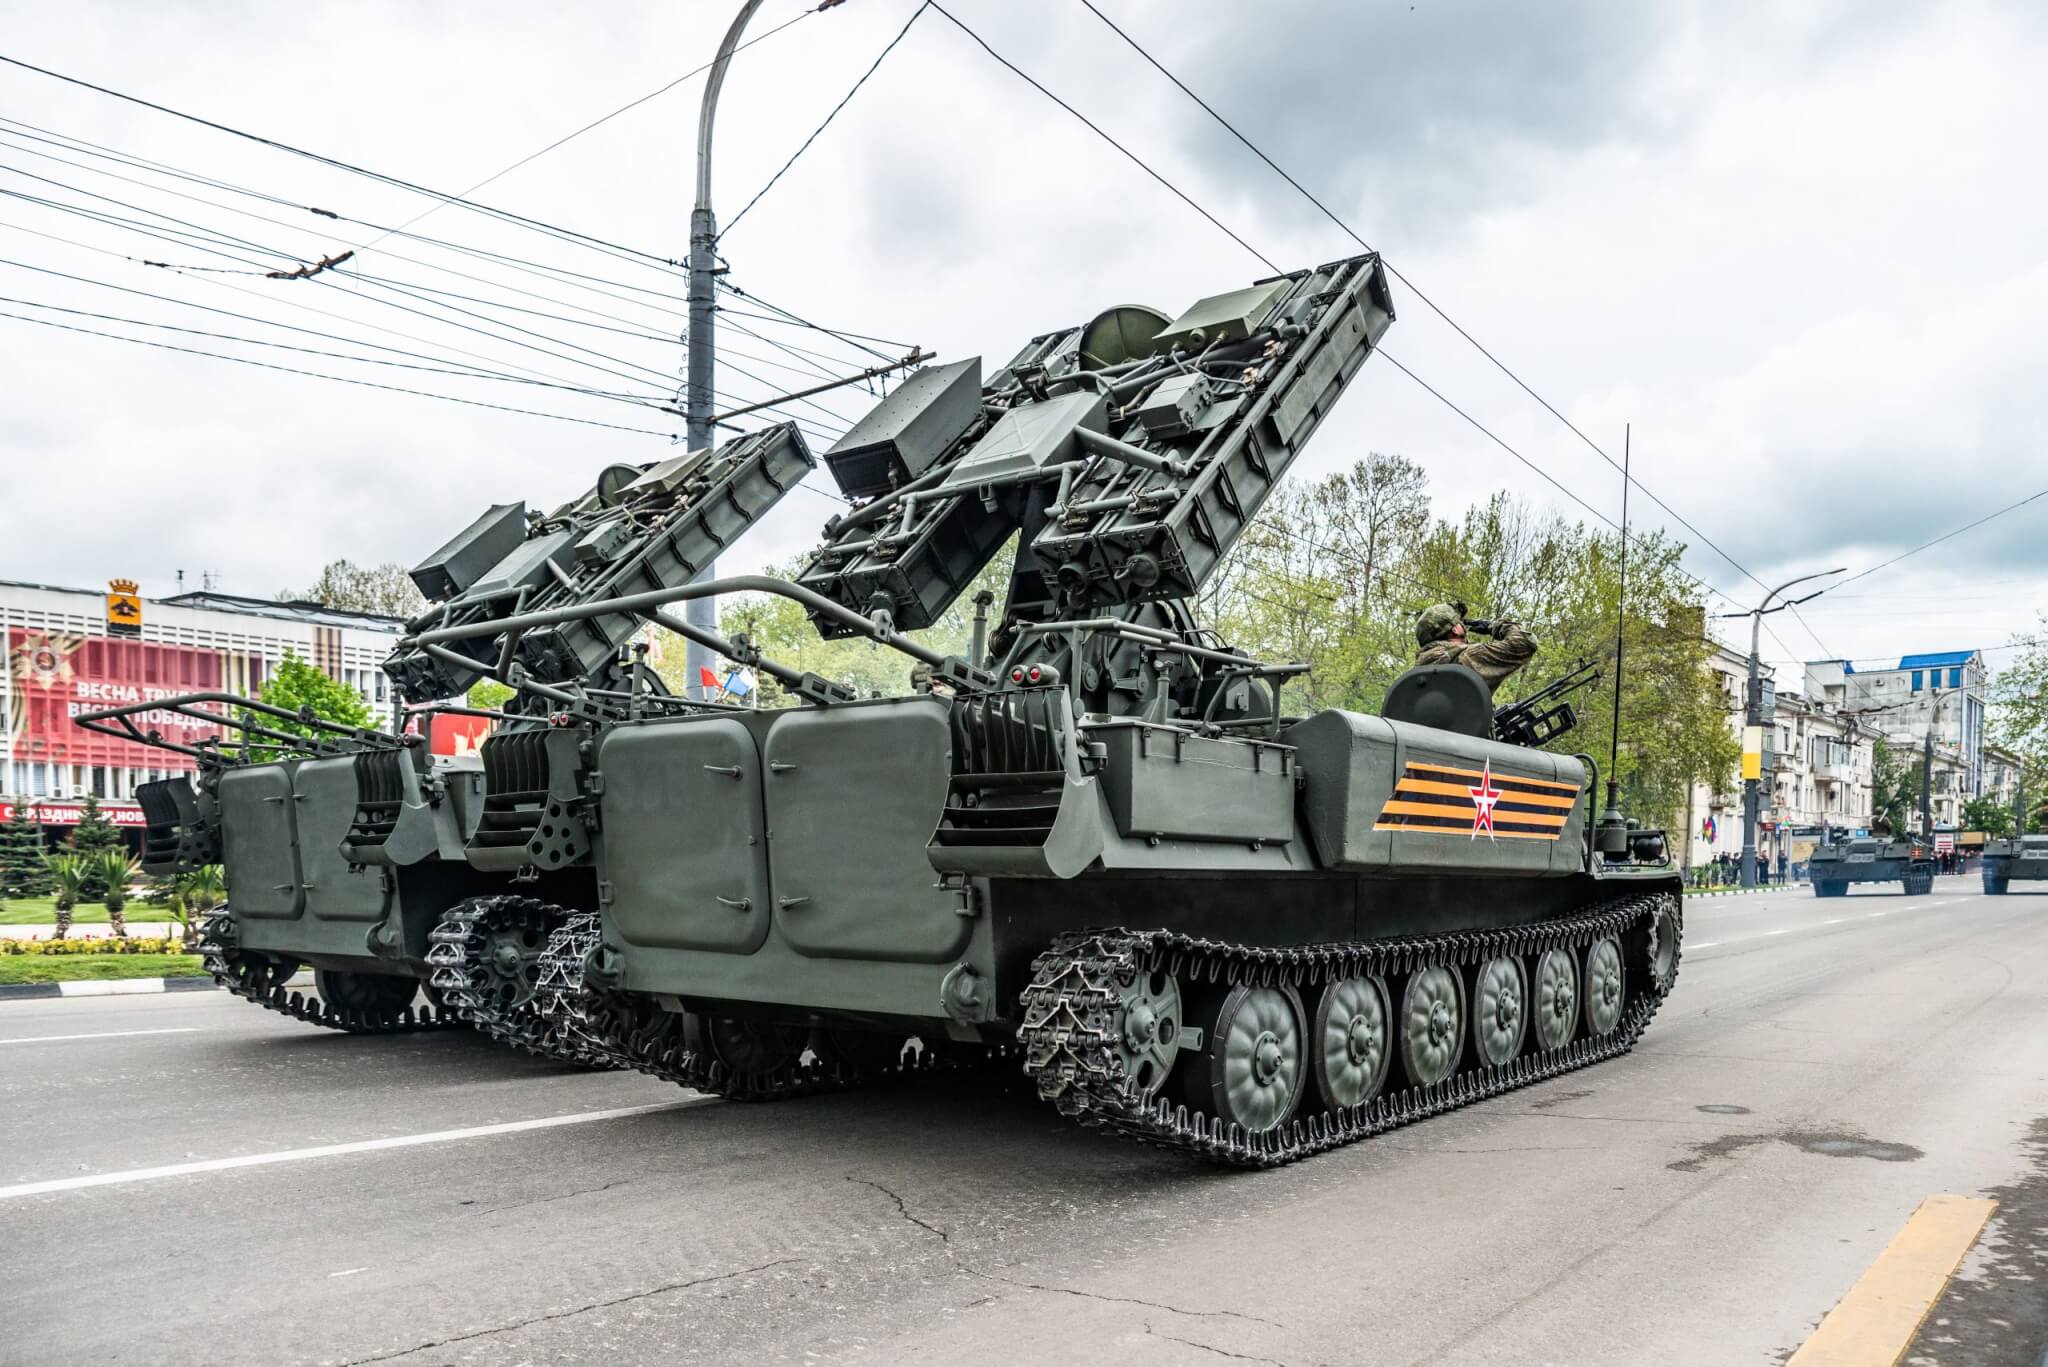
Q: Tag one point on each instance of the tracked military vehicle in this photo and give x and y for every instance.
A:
(1100, 850)
(2020, 856)
(388, 870)
(1831, 868)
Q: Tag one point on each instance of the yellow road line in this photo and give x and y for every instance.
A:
(1874, 1324)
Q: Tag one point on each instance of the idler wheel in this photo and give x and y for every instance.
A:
(1500, 1010)
(1354, 1035)
(1604, 985)
(1664, 929)
(374, 994)
(1256, 1059)
(258, 975)
(1432, 1024)
(1556, 999)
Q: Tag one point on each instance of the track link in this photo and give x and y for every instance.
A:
(508, 966)
(261, 979)
(1070, 1029)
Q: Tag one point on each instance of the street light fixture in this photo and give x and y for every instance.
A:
(1754, 715)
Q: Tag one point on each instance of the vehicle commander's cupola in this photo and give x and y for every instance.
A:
(1448, 697)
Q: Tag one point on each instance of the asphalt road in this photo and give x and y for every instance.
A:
(1822, 1067)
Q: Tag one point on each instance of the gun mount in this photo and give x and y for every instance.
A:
(1531, 721)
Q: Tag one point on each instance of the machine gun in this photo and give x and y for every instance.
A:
(1530, 722)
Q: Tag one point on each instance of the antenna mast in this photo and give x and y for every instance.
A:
(1610, 837)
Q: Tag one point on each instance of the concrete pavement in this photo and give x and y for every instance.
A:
(1822, 1068)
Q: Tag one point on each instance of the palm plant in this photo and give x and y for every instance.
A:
(67, 881)
(194, 894)
(116, 870)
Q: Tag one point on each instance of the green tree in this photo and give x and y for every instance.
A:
(22, 873)
(115, 870)
(92, 837)
(67, 881)
(2019, 717)
(1989, 815)
(387, 589)
(489, 694)
(1894, 788)
(300, 688)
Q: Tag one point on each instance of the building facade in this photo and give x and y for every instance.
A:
(1941, 695)
(74, 650)
(1816, 776)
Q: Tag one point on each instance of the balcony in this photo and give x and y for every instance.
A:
(1833, 770)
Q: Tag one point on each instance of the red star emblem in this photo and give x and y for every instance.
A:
(1484, 796)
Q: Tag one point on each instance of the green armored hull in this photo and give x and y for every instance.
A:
(2021, 857)
(1833, 868)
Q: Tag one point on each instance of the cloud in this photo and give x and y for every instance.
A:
(1798, 247)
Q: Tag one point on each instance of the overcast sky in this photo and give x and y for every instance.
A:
(1799, 247)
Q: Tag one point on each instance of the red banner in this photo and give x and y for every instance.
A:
(71, 813)
(53, 676)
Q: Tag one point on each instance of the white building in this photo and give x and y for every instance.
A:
(1816, 775)
(1941, 694)
(74, 650)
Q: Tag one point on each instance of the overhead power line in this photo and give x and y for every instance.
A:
(1134, 158)
(872, 68)
(570, 235)
(1967, 526)
(1432, 305)
(341, 379)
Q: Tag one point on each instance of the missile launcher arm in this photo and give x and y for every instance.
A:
(1130, 455)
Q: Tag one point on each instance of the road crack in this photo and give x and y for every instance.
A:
(570, 1313)
(1210, 1347)
(546, 1200)
(946, 1241)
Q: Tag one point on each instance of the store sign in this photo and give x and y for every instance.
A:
(72, 813)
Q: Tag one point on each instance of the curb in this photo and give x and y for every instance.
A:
(107, 987)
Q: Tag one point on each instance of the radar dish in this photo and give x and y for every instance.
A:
(1120, 334)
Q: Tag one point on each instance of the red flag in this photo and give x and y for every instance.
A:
(707, 676)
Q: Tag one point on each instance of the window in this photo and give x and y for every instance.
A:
(1916, 681)
(1955, 677)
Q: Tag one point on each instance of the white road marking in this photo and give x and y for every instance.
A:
(1786, 930)
(403, 1141)
(348, 1272)
(105, 1034)
(1880, 913)
(1837, 921)
(1709, 944)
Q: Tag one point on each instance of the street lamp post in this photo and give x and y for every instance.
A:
(1754, 718)
(701, 389)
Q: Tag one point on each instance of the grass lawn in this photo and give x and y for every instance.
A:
(71, 968)
(42, 911)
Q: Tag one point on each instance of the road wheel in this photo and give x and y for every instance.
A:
(1603, 979)
(1354, 1036)
(1994, 887)
(1500, 1011)
(1556, 999)
(1432, 1024)
(1256, 1058)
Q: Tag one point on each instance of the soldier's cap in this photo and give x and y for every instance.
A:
(1436, 623)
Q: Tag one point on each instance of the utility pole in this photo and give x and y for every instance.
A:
(701, 389)
(1753, 719)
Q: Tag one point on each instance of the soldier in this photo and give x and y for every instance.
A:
(1440, 631)
(921, 681)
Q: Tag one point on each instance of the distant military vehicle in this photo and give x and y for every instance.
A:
(2020, 856)
(388, 870)
(1870, 859)
(1198, 922)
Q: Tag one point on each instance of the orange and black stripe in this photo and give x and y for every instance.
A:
(1437, 799)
